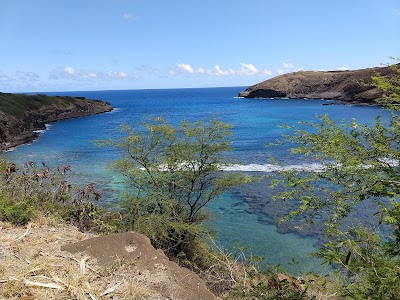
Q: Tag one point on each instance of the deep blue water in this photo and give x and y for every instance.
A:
(256, 124)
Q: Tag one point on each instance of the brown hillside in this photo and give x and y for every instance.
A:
(336, 85)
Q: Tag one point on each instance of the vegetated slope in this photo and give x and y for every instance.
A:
(336, 85)
(21, 114)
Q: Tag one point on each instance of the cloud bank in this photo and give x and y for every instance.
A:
(72, 74)
(243, 70)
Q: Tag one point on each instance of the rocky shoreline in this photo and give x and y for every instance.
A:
(345, 86)
(23, 116)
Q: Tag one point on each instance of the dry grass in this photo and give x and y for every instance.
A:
(32, 266)
(231, 273)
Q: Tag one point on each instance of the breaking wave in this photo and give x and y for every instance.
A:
(268, 168)
(312, 167)
(40, 131)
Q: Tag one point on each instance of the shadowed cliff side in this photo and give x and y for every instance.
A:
(21, 115)
(335, 85)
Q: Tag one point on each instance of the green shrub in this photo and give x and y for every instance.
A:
(29, 190)
(16, 213)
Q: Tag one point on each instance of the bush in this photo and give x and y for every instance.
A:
(29, 190)
(16, 213)
(172, 173)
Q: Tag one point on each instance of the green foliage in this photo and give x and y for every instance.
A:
(29, 191)
(390, 86)
(358, 161)
(368, 270)
(19, 104)
(16, 213)
(360, 164)
(172, 173)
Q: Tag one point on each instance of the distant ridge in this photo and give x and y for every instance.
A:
(21, 115)
(333, 85)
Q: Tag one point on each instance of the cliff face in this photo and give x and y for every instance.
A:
(337, 85)
(21, 115)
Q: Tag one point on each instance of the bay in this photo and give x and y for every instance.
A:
(256, 123)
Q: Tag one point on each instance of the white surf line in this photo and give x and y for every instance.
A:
(268, 168)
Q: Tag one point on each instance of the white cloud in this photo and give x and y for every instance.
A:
(288, 66)
(219, 72)
(114, 74)
(27, 76)
(65, 73)
(244, 70)
(267, 72)
(204, 71)
(248, 69)
(91, 74)
(69, 70)
(72, 74)
(185, 68)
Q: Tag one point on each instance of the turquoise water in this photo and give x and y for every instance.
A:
(256, 123)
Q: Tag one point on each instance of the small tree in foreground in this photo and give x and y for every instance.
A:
(172, 173)
(361, 164)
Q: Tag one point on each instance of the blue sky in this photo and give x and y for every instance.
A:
(55, 45)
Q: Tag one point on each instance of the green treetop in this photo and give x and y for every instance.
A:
(360, 166)
(172, 173)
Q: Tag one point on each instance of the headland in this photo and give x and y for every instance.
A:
(350, 86)
(22, 115)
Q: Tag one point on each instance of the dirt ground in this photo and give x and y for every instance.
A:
(48, 260)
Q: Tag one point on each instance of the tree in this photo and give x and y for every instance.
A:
(360, 164)
(172, 173)
(390, 86)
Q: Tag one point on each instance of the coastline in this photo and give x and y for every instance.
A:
(24, 126)
(329, 101)
(30, 136)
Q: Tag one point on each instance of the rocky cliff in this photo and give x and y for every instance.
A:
(335, 85)
(21, 115)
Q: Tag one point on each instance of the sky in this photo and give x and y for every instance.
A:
(78, 45)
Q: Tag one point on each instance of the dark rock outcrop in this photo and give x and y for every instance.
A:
(335, 85)
(22, 115)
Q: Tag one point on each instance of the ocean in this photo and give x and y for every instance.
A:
(238, 216)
